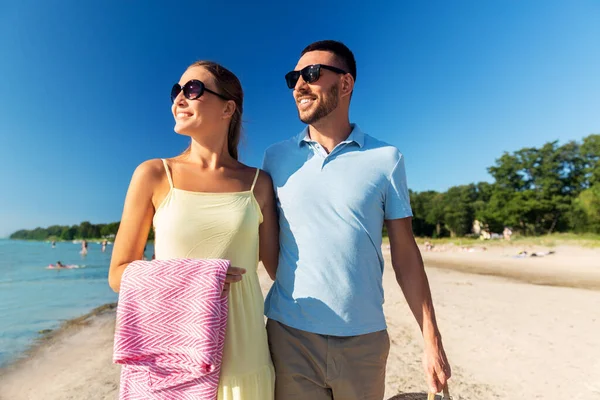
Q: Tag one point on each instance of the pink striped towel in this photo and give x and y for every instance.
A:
(170, 331)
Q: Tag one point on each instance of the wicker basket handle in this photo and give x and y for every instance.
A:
(445, 391)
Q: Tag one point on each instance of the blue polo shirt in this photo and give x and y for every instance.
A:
(331, 213)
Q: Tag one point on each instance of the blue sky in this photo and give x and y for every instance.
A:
(84, 86)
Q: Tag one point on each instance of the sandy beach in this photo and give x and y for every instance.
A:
(514, 328)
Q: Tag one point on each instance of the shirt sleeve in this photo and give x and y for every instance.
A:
(397, 199)
(266, 163)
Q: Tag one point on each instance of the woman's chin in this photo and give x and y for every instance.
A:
(181, 130)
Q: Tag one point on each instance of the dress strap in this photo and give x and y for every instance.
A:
(168, 173)
(255, 179)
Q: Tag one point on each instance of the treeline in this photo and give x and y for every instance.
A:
(535, 191)
(85, 230)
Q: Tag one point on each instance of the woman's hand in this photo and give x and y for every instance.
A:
(234, 274)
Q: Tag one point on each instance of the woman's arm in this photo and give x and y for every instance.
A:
(269, 229)
(136, 221)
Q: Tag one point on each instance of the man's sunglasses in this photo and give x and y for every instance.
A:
(192, 90)
(310, 74)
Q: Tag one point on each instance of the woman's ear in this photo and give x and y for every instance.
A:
(229, 109)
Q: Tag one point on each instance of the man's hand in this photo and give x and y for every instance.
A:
(437, 368)
(234, 274)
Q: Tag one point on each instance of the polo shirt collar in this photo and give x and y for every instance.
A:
(303, 137)
(357, 136)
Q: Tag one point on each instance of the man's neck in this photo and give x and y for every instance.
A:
(330, 133)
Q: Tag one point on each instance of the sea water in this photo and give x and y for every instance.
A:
(34, 298)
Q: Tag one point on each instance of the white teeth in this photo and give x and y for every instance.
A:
(304, 101)
(183, 115)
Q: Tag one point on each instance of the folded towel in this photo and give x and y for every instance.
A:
(170, 333)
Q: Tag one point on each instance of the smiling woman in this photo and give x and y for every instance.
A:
(205, 204)
(194, 89)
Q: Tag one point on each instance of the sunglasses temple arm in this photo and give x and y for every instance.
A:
(216, 94)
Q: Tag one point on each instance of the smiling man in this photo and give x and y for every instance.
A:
(336, 187)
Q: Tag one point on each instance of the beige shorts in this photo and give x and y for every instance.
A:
(310, 366)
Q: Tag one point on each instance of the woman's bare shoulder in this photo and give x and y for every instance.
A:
(263, 191)
(264, 180)
(150, 171)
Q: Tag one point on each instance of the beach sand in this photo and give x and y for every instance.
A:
(513, 329)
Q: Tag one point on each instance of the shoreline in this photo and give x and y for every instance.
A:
(46, 338)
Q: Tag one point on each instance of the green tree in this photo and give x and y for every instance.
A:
(435, 215)
(109, 229)
(587, 210)
(54, 231)
(85, 230)
(68, 233)
(420, 203)
(458, 209)
(534, 188)
(590, 153)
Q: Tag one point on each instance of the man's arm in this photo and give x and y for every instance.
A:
(269, 229)
(410, 275)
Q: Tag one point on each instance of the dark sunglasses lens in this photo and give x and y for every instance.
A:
(291, 78)
(311, 73)
(193, 89)
(175, 92)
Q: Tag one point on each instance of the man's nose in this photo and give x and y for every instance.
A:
(301, 84)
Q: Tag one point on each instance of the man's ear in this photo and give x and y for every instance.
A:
(347, 85)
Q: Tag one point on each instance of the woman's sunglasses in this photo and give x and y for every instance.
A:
(192, 90)
(310, 74)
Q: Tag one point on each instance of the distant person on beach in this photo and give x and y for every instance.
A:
(210, 205)
(336, 186)
(507, 233)
(84, 247)
(104, 243)
(485, 235)
(53, 244)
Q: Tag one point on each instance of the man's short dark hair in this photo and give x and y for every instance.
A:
(341, 51)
